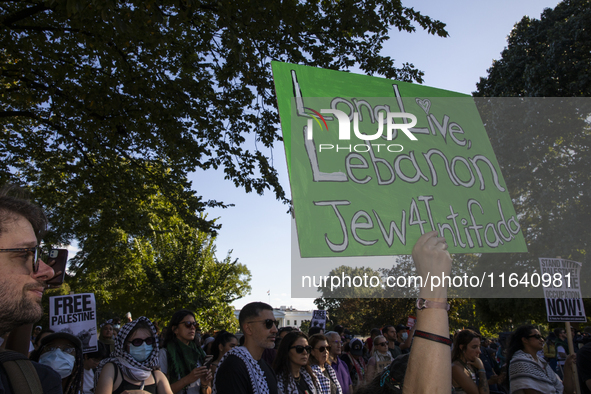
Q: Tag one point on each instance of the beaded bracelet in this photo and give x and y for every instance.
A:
(433, 337)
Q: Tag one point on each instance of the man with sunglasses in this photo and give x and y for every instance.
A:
(242, 370)
(23, 276)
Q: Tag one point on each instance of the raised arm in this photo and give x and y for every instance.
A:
(429, 364)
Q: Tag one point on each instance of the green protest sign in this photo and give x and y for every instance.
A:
(375, 163)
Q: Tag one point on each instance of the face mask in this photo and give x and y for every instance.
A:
(117, 326)
(404, 336)
(60, 362)
(140, 353)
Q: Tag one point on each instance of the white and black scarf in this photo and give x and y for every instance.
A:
(255, 373)
(292, 388)
(527, 373)
(323, 381)
(129, 367)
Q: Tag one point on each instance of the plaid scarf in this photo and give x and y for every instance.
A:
(255, 373)
(292, 387)
(323, 381)
(122, 359)
(526, 373)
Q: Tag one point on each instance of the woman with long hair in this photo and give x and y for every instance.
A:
(63, 353)
(181, 359)
(467, 371)
(318, 361)
(133, 365)
(380, 357)
(294, 375)
(529, 373)
(222, 344)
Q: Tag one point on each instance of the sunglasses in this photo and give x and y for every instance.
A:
(138, 341)
(537, 336)
(382, 344)
(65, 349)
(268, 323)
(300, 349)
(190, 324)
(34, 251)
(323, 349)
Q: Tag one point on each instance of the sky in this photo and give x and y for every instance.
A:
(258, 230)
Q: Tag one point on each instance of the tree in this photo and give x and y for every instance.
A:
(544, 155)
(171, 267)
(168, 87)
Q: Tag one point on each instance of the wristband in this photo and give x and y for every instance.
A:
(482, 370)
(423, 303)
(433, 337)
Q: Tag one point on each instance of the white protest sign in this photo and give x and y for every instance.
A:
(318, 319)
(76, 315)
(560, 279)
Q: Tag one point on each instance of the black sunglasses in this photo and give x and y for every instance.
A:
(537, 336)
(323, 349)
(138, 341)
(300, 348)
(382, 343)
(36, 251)
(190, 324)
(268, 323)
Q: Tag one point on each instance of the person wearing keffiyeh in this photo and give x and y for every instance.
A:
(133, 364)
(294, 375)
(527, 370)
(181, 359)
(327, 378)
(242, 370)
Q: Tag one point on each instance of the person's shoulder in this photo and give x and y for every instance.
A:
(50, 379)
(231, 362)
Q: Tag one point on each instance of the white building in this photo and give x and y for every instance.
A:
(287, 316)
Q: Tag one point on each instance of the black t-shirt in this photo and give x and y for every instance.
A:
(584, 367)
(50, 380)
(302, 386)
(232, 377)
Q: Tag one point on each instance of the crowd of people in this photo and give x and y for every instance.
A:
(134, 357)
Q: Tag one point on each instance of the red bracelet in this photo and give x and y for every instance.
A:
(433, 337)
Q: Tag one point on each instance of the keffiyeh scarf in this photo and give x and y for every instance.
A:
(292, 387)
(323, 381)
(255, 373)
(131, 368)
(526, 373)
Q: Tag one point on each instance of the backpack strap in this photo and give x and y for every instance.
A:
(21, 373)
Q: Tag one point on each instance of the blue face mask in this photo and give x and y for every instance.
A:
(60, 362)
(140, 353)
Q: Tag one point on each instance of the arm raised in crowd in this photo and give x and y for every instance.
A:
(429, 364)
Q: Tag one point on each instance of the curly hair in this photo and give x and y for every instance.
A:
(515, 341)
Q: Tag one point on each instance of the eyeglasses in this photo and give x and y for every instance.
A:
(36, 251)
(323, 349)
(537, 336)
(268, 323)
(338, 342)
(138, 341)
(300, 348)
(190, 324)
(382, 343)
(66, 349)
